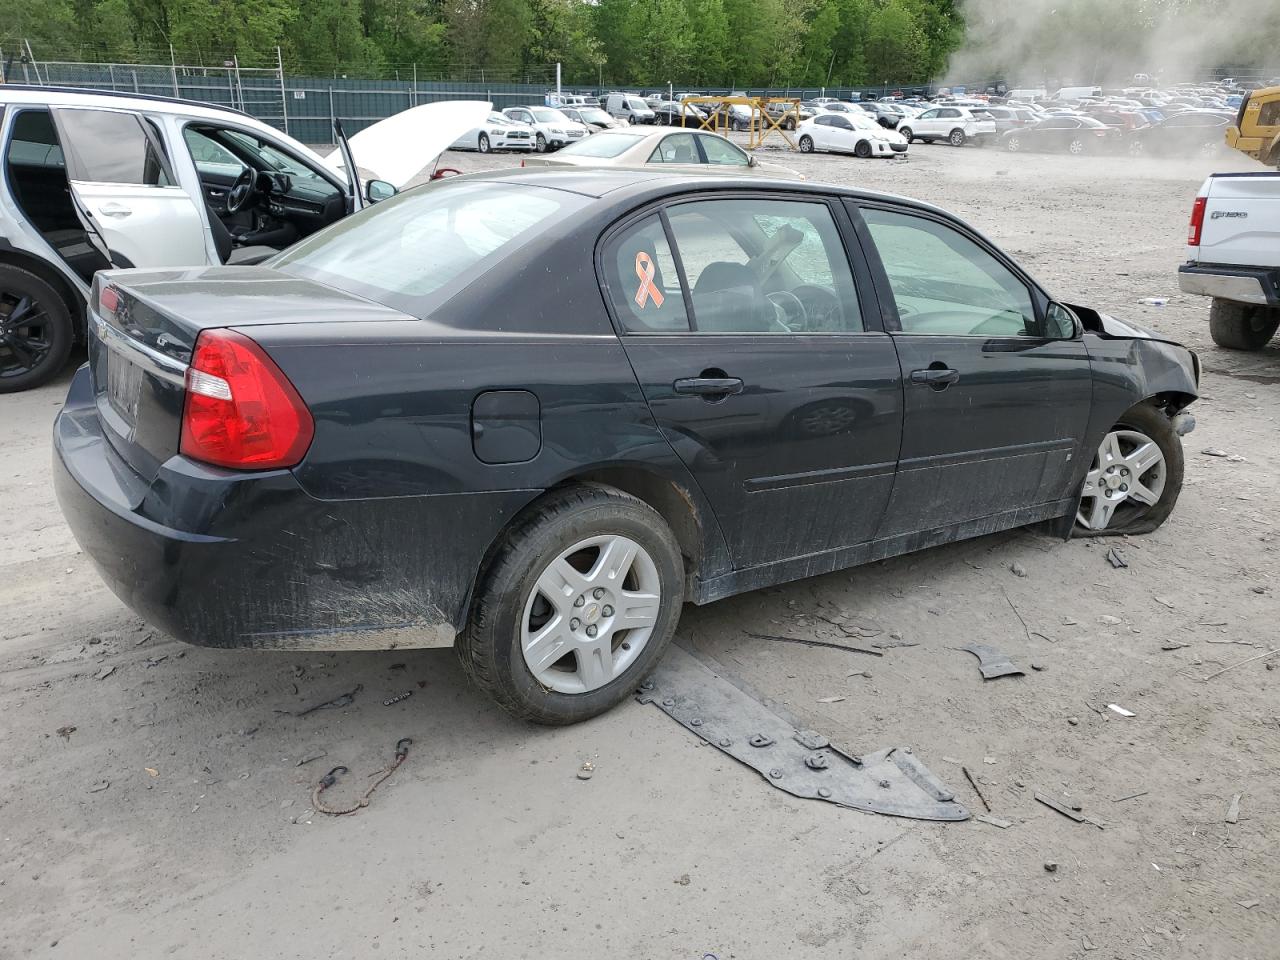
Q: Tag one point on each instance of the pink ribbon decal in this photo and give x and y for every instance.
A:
(645, 271)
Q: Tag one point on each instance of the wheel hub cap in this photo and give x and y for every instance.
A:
(590, 614)
(1128, 471)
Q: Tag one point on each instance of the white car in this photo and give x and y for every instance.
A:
(551, 128)
(183, 185)
(956, 125)
(498, 132)
(855, 133)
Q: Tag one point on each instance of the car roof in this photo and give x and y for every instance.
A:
(76, 97)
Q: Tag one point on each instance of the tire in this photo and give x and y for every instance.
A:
(1136, 148)
(906, 132)
(862, 149)
(1012, 143)
(1242, 326)
(34, 352)
(788, 125)
(806, 144)
(956, 138)
(1075, 147)
(482, 143)
(510, 603)
(540, 144)
(1131, 516)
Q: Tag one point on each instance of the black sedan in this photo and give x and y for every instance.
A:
(418, 428)
(1063, 134)
(1184, 133)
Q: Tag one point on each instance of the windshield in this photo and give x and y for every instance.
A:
(636, 104)
(499, 118)
(548, 116)
(415, 250)
(604, 144)
(594, 116)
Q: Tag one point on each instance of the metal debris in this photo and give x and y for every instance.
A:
(973, 782)
(1116, 708)
(831, 699)
(104, 672)
(815, 643)
(340, 701)
(1051, 866)
(305, 760)
(1065, 810)
(330, 778)
(890, 781)
(1233, 811)
(992, 662)
(994, 821)
(66, 732)
(100, 786)
(1116, 559)
(1248, 904)
(1132, 796)
(396, 699)
(587, 770)
(1241, 663)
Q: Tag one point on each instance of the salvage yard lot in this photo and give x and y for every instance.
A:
(152, 801)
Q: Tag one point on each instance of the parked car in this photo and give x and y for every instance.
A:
(787, 113)
(182, 184)
(956, 125)
(1233, 256)
(593, 118)
(629, 107)
(1005, 118)
(1075, 135)
(690, 150)
(498, 132)
(1184, 133)
(675, 114)
(860, 135)
(551, 128)
(884, 113)
(427, 448)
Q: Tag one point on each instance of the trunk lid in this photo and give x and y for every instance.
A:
(143, 326)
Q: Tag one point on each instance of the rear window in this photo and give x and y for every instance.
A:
(602, 145)
(415, 250)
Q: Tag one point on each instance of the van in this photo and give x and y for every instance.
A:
(1075, 93)
(627, 106)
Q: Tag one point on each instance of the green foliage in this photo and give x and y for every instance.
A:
(690, 43)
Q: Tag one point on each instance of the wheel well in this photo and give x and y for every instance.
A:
(41, 268)
(1169, 402)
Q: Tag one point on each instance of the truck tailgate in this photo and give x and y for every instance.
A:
(1241, 221)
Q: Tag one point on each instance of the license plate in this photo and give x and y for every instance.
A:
(124, 384)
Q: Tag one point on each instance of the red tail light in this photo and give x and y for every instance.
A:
(1197, 221)
(241, 410)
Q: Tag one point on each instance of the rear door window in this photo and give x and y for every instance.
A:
(110, 146)
(643, 280)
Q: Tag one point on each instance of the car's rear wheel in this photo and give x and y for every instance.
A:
(1135, 477)
(906, 132)
(1242, 326)
(1135, 147)
(36, 332)
(957, 138)
(576, 607)
(806, 144)
(862, 150)
(1076, 146)
(1012, 144)
(540, 144)
(482, 144)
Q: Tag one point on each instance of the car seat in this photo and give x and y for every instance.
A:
(727, 298)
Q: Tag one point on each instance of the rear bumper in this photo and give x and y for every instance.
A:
(1257, 285)
(227, 559)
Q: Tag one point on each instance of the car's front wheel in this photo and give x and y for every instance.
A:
(1135, 477)
(806, 144)
(1013, 144)
(862, 150)
(1076, 147)
(36, 332)
(906, 132)
(1242, 326)
(482, 144)
(576, 606)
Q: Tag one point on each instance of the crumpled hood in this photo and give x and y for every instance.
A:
(1105, 325)
(398, 148)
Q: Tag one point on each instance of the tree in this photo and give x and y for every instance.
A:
(818, 53)
(895, 49)
(710, 53)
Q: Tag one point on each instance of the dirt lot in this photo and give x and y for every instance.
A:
(152, 803)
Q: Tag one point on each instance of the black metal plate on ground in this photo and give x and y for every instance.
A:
(801, 762)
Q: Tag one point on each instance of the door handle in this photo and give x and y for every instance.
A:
(118, 210)
(939, 378)
(709, 387)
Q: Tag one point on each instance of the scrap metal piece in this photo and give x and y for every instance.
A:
(890, 781)
(1066, 811)
(992, 662)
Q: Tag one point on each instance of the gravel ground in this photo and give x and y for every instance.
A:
(152, 801)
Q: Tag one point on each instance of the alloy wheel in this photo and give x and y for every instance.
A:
(1076, 147)
(806, 145)
(1127, 477)
(482, 144)
(25, 334)
(1012, 144)
(540, 144)
(590, 614)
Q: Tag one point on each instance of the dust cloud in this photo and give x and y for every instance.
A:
(1053, 43)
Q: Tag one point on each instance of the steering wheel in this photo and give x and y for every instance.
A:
(794, 316)
(241, 190)
(823, 308)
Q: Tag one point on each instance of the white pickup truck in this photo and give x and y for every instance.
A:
(1233, 256)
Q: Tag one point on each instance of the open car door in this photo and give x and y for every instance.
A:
(400, 147)
(125, 192)
(348, 165)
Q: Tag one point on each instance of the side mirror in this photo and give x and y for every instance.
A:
(1060, 323)
(376, 191)
(752, 162)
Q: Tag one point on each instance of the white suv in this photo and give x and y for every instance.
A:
(552, 129)
(956, 125)
(95, 180)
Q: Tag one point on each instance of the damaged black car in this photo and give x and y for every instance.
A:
(530, 414)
